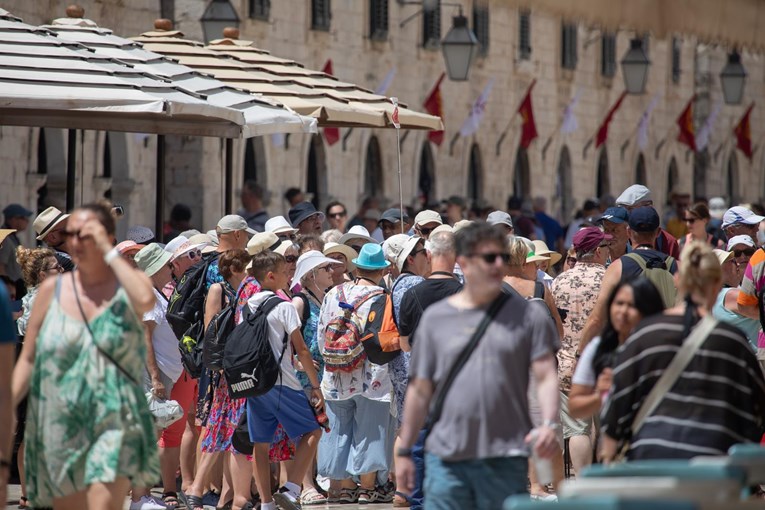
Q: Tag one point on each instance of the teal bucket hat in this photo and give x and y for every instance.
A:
(152, 258)
(371, 258)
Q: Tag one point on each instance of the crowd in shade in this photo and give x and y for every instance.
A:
(449, 357)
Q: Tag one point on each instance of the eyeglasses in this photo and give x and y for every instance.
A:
(337, 214)
(417, 252)
(748, 252)
(291, 259)
(327, 268)
(491, 258)
(425, 231)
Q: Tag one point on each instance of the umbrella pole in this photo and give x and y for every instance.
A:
(400, 186)
(160, 187)
(71, 171)
(229, 178)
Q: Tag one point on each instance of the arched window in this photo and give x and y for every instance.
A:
(475, 174)
(373, 171)
(700, 164)
(563, 188)
(255, 162)
(640, 176)
(603, 183)
(317, 172)
(731, 180)
(426, 182)
(521, 176)
(672, 178)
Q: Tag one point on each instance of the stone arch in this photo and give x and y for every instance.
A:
(603, 178)
(563, 188)
(640, 173)
(373, 169)
(522, 175)
(426, 180)
(255, 162)
(731, 180)
(475, 174)
(316, 178)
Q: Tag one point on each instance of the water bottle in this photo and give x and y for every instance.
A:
(321, 417)
(543, 467)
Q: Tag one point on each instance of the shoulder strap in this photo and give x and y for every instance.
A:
(306, 309)
(671, 374)
(269, 304)
(539, 290)
(462, 358)
(362, 299)
(640, 261)
(668, 262)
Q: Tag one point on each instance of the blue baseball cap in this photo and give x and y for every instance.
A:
(371, 257)
(615, 215)
(644, 219)
(16, 211)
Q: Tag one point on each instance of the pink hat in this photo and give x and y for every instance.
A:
(128, 247)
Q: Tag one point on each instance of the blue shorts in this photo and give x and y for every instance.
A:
(280, 405)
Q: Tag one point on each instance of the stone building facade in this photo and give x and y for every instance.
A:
(567, 59)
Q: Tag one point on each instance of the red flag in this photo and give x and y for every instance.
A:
(434, 106)
(743, 132)
(331, 135)
(603, 129)
(529, 127)
(687, 133)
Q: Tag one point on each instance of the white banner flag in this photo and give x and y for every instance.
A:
(645, 119)
(471, 124)
(570, 124)
(385, 84)
(702, 138)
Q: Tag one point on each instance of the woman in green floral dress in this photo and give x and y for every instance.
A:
(89, 431)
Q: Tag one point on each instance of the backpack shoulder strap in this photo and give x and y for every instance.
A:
(640, 261)
(269, 304)
(668, 262)
(364, 298)
(306, 316)
(539, 290)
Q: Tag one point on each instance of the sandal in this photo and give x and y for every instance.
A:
(170, 499)
(311, 496)
(227, 506)
(194, 502)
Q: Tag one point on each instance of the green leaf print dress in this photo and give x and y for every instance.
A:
(86, 421)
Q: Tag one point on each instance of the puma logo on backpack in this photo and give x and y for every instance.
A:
(343, 350)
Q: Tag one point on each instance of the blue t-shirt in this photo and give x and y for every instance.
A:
(7, 327)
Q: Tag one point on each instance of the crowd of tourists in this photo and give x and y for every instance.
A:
(443, 358)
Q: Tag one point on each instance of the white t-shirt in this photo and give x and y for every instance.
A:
(584, 374)
(164, 340)
(283, 319)
(545, 278)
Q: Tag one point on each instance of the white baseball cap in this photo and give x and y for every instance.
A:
(634, 195)
(742, 239)
(279, 225)
(740, 214)
(427, 216)
(232, 223)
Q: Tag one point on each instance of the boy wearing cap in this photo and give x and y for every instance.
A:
(285, 403)
(360, 441)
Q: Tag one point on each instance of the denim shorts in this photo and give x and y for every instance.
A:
(280, 405)
(480, 484)
(360, 440)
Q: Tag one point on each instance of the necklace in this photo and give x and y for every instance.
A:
(371, 282)
(442, 273)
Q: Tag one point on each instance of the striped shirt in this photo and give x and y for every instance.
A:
(718, 401)
(751, 286)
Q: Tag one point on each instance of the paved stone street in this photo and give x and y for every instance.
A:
(14, 491)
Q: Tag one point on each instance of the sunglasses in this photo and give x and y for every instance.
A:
(748, 252)
(327, 268)
(194, 255)
(426, 231)
(691, 220)
(417, 252)
(290, 259)
(491, 258)
(571, 261)
(337, 214)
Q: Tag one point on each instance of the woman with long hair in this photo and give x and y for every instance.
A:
(696, 219)
(629, 303)
(89, 431)
(719, 398)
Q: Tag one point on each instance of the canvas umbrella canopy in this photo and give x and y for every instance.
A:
(287, 82)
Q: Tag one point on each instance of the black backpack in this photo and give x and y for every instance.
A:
(185, 315)
(220, 326)
(306, 311)
(249, 364)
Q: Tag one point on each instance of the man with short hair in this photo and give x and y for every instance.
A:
(590, 209)
(306, 218)
(476, 451)
(49, 226)
(614, 221)
(637, 196)
(337, 215)
(294, 196)
(253, 210)
(16, 218)
(425, 222)
(644, 229)
(576, 291)
(390, 223)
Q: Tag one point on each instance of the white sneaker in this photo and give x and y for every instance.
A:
(147, 503)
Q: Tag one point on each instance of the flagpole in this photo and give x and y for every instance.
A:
(397, 125)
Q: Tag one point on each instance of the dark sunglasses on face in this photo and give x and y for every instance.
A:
(491, 258)
(193, 255)
(290, 259)
(691, 220)
(747, 251)
(337, 214)
(426, 231)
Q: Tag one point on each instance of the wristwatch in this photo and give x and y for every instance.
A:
(551, 424)
(403, 452)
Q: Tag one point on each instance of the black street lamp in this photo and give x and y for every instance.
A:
(733, 78)
(459, 47)
(635, 67)
(218, 15)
